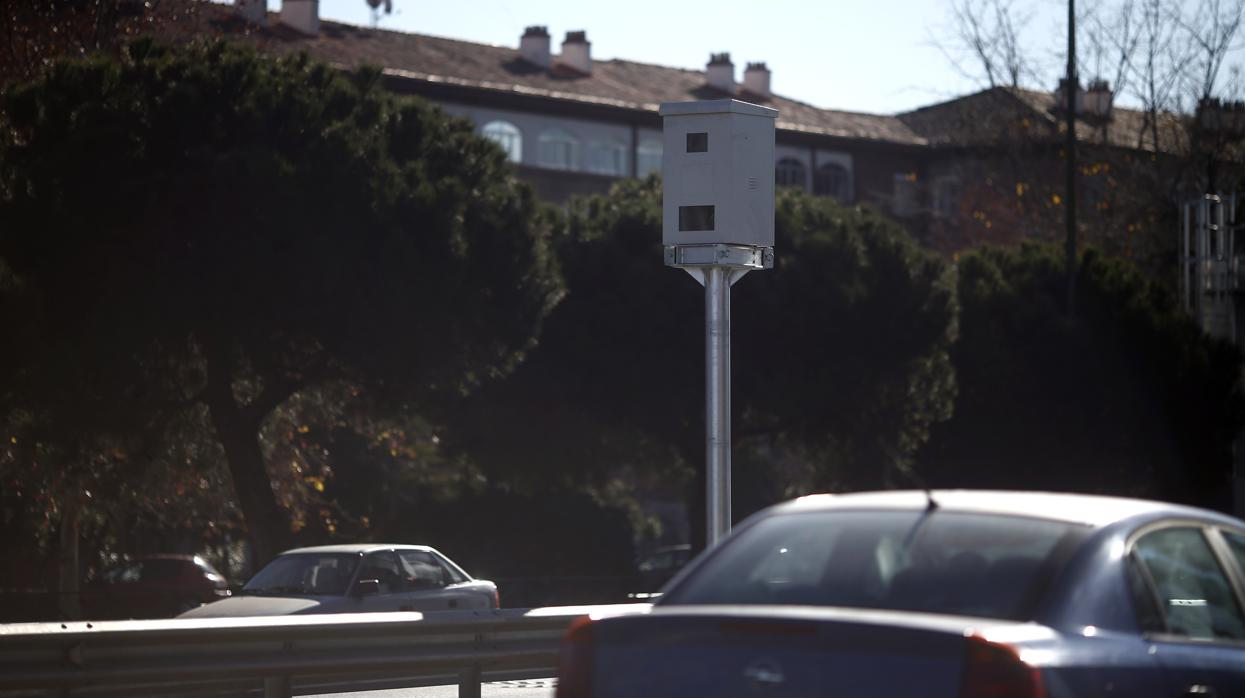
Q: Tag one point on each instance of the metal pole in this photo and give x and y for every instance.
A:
(278, 686)
(469, 681)
(717, 402)
(1070, 86)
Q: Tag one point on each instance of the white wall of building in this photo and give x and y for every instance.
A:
(595, 142)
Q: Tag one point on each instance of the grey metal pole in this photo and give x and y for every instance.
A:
(717, 402)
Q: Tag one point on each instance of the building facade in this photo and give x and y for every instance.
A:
(572, 123)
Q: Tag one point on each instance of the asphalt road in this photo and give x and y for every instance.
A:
(533, 688)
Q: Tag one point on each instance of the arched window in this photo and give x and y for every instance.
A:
(608, 157)
(648, 158)
(790, 173)
(508, 136)
(559, 150)
(833, 179)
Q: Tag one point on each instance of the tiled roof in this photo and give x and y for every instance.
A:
(983, 118)
(1000, 113)
(620, 83)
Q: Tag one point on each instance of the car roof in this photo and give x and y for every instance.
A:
(1090, 510)
(357, 548)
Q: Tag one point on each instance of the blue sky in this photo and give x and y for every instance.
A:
(877, 56)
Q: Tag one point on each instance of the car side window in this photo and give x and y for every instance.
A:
(1236, 543)
(1193, 591)
(128, 574)
(420, 570)
(1149, 617)
(452, 575)
(383, 567)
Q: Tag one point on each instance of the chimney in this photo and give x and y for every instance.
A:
(577, 52)
(302, 16)
(756, 80)
(1061, 97)
(534, 46)
(252, 10)
(720, 72)
(1098, 98)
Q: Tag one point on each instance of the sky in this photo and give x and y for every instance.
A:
(876, 56)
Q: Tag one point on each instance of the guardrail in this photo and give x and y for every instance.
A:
(278, 657)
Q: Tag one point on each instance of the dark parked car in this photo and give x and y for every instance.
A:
(939, 594)
(154, 586)
(357, 578)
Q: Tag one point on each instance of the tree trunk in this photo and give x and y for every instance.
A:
(68, 599)
(239, 436)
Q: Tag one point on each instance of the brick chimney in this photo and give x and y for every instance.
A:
(252, 10)
(1097, 100)
(756, 80)
(534, 46)
(720, 72)
(577, 52)
(1061, 97)
(302, 15)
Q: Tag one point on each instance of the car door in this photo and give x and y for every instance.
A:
(424, 583)
(462, 591)
(1200, 635)
(384, 568)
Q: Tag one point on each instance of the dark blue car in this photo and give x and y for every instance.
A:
(962, 594)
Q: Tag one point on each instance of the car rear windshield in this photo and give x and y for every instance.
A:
(939, 562)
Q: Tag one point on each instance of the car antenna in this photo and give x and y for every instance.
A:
(930, 503)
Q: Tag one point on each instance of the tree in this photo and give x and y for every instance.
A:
(840, 350)
(1134, 165)
(35, 34)
(985, 42)
(210, 227)
(1130, 399)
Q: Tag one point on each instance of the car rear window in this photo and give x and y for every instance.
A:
(940, 562)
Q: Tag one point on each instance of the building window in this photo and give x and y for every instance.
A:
(790, 173)
(648, 158)
(559, 150)
(833, 179)
(608, 157)
(946, 196)
(904, 202)
(508, 136)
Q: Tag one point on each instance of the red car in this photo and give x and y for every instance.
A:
(154, 586)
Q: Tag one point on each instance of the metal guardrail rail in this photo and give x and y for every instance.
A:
(278, 657)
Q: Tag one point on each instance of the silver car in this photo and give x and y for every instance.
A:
(358, 578)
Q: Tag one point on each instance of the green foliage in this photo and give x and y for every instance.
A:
(205, 225)
(1129, 398)
(840, 355)
(844, 345)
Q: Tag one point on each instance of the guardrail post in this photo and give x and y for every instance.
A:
(469, 682)
(278, 687)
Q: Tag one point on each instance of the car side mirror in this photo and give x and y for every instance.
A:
(366, 587)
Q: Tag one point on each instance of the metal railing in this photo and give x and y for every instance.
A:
(277, 657)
